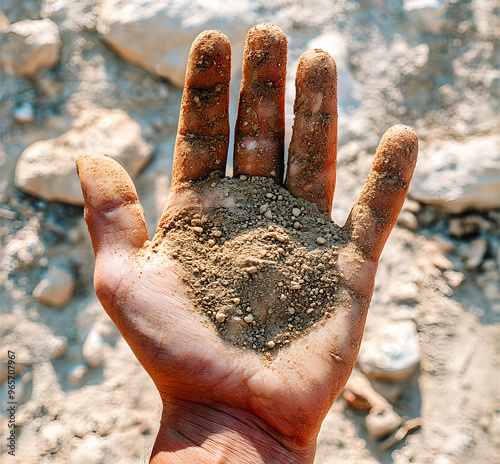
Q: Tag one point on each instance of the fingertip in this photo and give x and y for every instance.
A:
(312, 153)
(319, 61)
(209, 60)
(113, 213)
(317, 76)
(397, 152)
(104, 182)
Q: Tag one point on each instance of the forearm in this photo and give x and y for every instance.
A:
(201, 434)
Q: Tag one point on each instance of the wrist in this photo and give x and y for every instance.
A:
(199, 433)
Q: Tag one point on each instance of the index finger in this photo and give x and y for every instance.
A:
(375, 212)
(203, 132)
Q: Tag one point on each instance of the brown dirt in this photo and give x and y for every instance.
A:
(262, 267)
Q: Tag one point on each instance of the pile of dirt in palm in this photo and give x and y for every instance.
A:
(262, 267)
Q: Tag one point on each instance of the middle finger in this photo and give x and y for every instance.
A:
(260, 124)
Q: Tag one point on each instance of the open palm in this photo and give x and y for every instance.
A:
(223, 404)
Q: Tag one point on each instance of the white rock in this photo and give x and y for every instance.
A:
(405, 292)
(29, 46)
(391, 353)
(77, 373)
(157, 34)
(94, 349)
(22, 251)
(382, 423)
(407, 220)
(56, 347)
(47, 169)
(458, 176)
(53, 436)
(475, 252)
(55, 288)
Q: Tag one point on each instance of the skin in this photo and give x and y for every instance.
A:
(222, 404)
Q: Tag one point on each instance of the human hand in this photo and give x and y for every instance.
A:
(222, 403)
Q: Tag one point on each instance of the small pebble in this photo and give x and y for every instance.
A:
(243, 177)
(56, 347)
(271, 344)
(93, 349)
(296, 211)
(220, 317)
(236, 300)
(77, 373)
(198, 229)
(248, 319)
(216, 233)
(211, 242)
(321, 240)
(268, 214)
(297, 225)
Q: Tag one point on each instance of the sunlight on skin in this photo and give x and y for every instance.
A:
(222, 403)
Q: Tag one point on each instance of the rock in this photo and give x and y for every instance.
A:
(53, 436)
(391, 353)
(382, 423)
(474, 253)
(93, 349)
(77, 373)
(405, 292)
(408, 426)
(56, 347)
(22, 251)
(29, 46)
(47, 170)
(360, 394)
(454, 278)
(459, 176)
(390, 391)
(55, 288)
(407, 220)
(468, 226)
(157, 34)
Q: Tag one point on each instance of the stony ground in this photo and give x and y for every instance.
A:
(431, 347)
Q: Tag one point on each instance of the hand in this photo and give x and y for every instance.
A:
(220, 403)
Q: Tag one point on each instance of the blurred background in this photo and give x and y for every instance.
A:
(105, 76)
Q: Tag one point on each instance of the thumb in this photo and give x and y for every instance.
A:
(113, 213)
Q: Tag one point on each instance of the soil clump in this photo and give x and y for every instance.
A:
(261, 264)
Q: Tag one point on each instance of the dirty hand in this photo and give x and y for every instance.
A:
(222, 403)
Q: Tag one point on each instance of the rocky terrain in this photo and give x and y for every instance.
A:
(105, 76)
